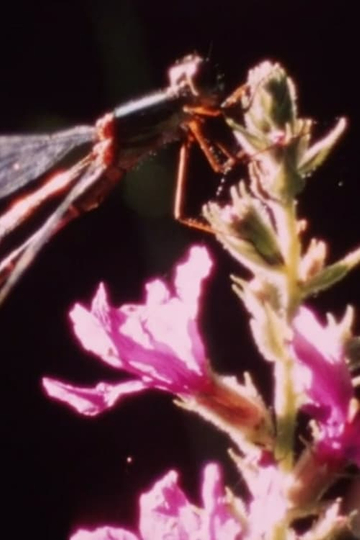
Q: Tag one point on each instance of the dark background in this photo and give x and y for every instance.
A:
(64, 63)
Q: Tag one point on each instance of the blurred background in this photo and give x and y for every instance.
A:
(65, 63)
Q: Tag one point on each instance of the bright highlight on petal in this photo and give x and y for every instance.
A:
(189, 276)
(158, 341)
(91, 401)
(92, 331)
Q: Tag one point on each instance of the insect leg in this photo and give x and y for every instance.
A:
(180, 191)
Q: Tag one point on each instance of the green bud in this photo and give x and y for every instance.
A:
(276, 140)
(245, 229)
(331, 274)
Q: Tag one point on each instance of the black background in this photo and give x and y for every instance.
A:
(67, 62)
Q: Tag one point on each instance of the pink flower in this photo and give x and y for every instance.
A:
(328, 386)
(166, 513)
(268, 506)
(157, 342)
(104, 533)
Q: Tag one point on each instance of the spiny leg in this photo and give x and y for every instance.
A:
(210, 148)
(218, 155)
(180, 191)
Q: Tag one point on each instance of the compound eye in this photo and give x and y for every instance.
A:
(196, 74)
(184, 71)
(208, 81)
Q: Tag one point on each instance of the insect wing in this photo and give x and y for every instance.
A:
(75, 202)
(24, 158)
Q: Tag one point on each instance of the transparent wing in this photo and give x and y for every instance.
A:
(23, 158)
(87, 193)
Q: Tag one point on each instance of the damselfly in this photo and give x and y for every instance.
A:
(119, 140)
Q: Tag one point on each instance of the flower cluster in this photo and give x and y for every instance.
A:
(166, 513)
(158, 345)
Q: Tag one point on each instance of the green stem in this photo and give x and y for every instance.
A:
(285, 396)
(286, 224)
(279, 532)
(285, 407)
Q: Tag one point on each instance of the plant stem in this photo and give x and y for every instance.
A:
(285, 396)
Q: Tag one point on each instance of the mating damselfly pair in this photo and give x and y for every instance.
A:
(191, 109)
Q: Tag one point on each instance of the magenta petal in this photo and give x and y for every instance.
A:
(104, 533)
(159, 340)
(91, 401)
(220, 524)
(351, 442)
(343, 448)
(93, 328)
(319, 349)
(189, 276)
(166, 513)
(329, 389)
